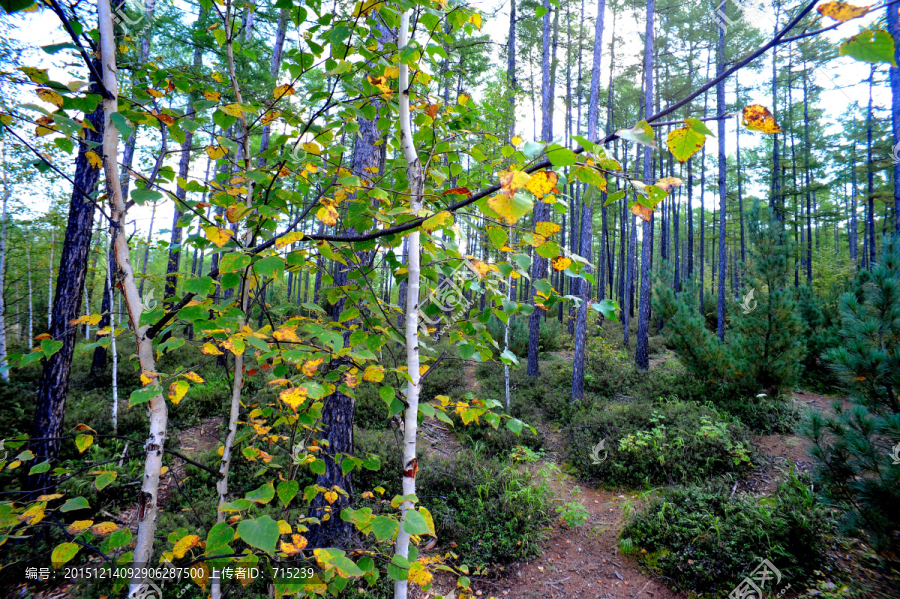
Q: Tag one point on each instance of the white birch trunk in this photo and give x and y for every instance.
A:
(50, 280)
(234, 413)
(414, 175)
(4, 373)
(148, 508)
(30, 298)
(112, 347)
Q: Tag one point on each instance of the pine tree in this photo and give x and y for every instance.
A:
(857, 449)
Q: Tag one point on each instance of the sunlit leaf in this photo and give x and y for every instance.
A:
(871, 46)
(542, 183)
(758, 118)
(841, 11)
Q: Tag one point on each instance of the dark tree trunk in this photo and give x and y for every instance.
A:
(723, 192)
(539, 264)
(870, 181)
(893, 22)
(642, 352)
(73, 263)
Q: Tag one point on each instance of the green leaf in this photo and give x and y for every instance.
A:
(50, 346)
(684, 142)
(105, 478)
(642, 133)
(76, 503)
(607, 308)
(414, 523)
(287, 490)
(614, 197)
(233, 262)
(142, 196)
(200, 286)
(272, 266)
(515, 425)
(218, 539)
(63, 553)
(143, 395)
(261, 533)
(120, 538)
(699, 126)
(12, 6)
(871, 46)
(497, 236)
(560, 156)
(40, 468)
(82, 442)
(318, 467)
(122, 124)
(387, 394)
(263, 494)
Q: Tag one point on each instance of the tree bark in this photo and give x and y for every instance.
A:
(720, 112)
(893, 23)
(642, 352)
(54, 386)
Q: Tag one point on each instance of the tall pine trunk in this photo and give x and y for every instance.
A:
(720, 112)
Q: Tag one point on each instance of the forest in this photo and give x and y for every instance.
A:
(428, 299)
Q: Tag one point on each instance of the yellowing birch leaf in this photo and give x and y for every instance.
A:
(215, 152)
(234, 110)
(758, 118)
(210, 350)
(561, 263)
(311, 367)
(104, 528)
(511, 209)
(542, 183)
(312, 147)
(218, 235)
(90, 319)
(286, 334)
(212, 96)
(286, 240)
(283, 90)
(96, 162)
(183, 545)
(642, 212)
(177, 391)
(48, 95)
(374, 374)
(270, 116)
(841, 11)
(328, 215)
(513, 181)
(546, 229)
(475, 19)
(293, 397)
(79, 526)
(155, 92)
(193, 376)
(330, 497)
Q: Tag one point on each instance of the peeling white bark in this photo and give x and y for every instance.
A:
(416, 183)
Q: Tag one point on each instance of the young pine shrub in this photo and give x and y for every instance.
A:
(707, 540)
(858, 449)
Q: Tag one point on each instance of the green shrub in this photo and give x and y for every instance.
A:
(495, 513)
(707, 540)
(656, 442)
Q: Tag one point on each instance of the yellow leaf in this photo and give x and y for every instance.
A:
(96, 162)
(841, 11)
(297, 544)
(79, 526)
(288, 239)
(218, 77)
(510, 208)
(542, 183)
(200, 574)
(475, 19)
(312, 147)
(374, 374)
(668, 183)
(561, 263)
(311, 367)
(91, 319)
(183, 545)
(438, 221)
(293, 397)
(286, 334)
(48, 95)
(330, 497)
(758, 118)
(147, 377)
(328, 215)
(38, 76)
(463, 99)
(234, 110)
(104, 528)
(50, 497)
(155, 92)
(351, 379)
(641, 212)
(284, 528)
(177, 391)
(212, 96)
(513, 181)
(218, 235)
(418, 574)
(215, 152)
(270, 116)
(283, 90)
(516, 140)
(236, 212)
(193, 376)
(546, 229)
(210, 350)
(6, 119)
